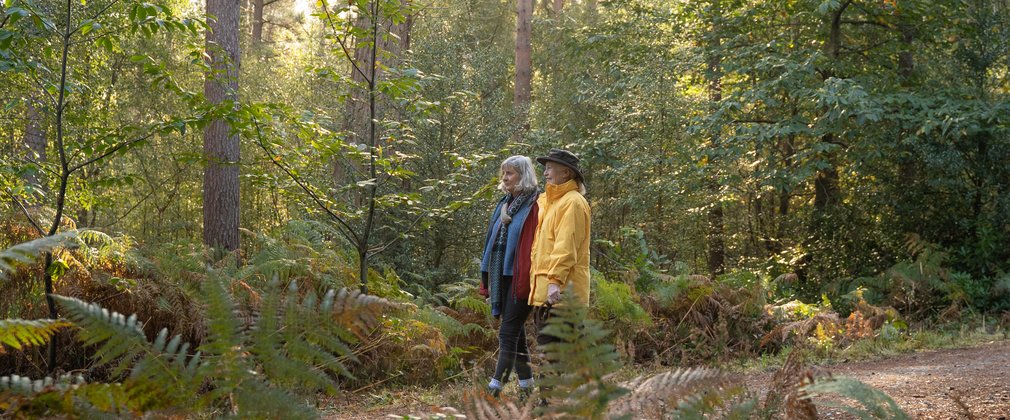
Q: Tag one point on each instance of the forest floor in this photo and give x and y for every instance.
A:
(960, 383)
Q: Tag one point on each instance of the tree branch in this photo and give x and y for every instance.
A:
(24, 210)
(114, 149)
(350, 57)
(350, 235)
(379, 249)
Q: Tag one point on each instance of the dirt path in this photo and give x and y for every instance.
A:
(927, 385)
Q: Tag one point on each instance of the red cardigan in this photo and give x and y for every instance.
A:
(521, 269)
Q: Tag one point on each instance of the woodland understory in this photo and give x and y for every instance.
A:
(249, 208)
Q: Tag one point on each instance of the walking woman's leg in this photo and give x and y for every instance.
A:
(512, 320)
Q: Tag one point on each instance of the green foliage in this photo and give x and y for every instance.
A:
(19, 333)
(614, 301)
(302, 250)
(255, 366)
(450, 327)
(579, 361)
(875, 404)
(20, 385)
(29, 251)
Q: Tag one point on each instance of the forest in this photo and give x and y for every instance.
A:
(277, 208)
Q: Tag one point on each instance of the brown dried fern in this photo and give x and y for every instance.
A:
(358, 313)
(786, 395)
(660, 394)
(801, 328)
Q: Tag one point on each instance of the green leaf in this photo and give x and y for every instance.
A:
(89, 25)
(57, 269)
(16, 13)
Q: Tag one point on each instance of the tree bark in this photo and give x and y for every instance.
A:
(358, 119)
(559, 6)
(826, 183)
(257, 21)
(716, 243)
(35, 149)
(221, 148)
(524, 65)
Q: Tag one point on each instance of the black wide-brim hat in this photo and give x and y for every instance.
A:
(563, 157)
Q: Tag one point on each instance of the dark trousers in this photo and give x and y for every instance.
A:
(512, 350)
(540, 316)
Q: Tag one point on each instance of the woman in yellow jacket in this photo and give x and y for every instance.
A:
(560, 255)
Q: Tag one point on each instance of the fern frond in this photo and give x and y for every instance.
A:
(875, 403)
(657, 395)
(478, 405)
(26, 386)
(579, 361)
(449, 326)
(356, 312)
(256, 399)
(164, 375)
(473, 304)
(786, 395)
(122, 337)
(19, 333)
(95, 244)
(167, 376)
(27, 252)
(223, 346)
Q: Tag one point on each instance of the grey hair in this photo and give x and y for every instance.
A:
(578, 181)
(527, 175)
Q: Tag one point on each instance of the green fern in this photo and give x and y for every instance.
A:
(19, 334)
(27, 252)
(120, 336)
(875, 403)
(579, 362)
(449, 326)
(21, 385)
(255, 360)
(162, 373)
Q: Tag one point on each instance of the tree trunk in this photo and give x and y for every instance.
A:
(906, 60)
(524, 66)
(357, 109)
(221, 148)
(716, 244)
(35, 150)
(559, 6)
(826, 183)
(257, 21)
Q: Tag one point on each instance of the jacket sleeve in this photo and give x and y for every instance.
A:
(572, 229)
(523, 263)
(490, 226)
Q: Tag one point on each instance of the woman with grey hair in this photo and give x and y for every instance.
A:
(505, 269)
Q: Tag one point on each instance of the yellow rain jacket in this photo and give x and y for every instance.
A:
(560, 252)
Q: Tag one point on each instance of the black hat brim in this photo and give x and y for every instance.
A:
(544, 159)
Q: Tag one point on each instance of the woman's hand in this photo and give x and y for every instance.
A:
(553, 293)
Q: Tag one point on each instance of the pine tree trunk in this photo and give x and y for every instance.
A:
(394, 40)
(221, 149)
(716, 244)
(827, 192)
(257, 21)
(524, 65)
(35, 148)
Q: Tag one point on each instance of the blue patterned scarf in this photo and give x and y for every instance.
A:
(499, 244)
